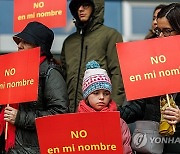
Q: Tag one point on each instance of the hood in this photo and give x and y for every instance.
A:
(98, 13)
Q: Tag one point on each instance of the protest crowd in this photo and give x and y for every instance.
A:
(88, 78)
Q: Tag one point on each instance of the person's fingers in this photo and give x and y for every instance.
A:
(172, 122)
(10, 114)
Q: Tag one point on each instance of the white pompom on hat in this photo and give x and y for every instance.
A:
(95, 78)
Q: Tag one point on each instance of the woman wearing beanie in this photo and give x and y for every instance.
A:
(52, 94)
(97, 90)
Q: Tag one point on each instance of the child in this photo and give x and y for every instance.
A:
(97, 90)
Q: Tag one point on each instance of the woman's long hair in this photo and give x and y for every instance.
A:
(172, 13)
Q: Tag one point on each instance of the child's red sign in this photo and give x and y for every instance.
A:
(150, 67)
(80, 133)
(51, 13)
(19, 75)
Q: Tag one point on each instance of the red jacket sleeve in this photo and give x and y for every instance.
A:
(126, 137)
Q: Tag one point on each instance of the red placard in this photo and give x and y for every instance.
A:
(150, 67)
(19, 74)
(73, 133)
(51, 13)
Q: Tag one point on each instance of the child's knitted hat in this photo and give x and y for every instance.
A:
(95, 78)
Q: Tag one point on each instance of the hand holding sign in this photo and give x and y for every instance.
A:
(14, 83)
(10, 114)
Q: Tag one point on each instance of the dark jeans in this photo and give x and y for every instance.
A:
(2, 144)
(174, 146)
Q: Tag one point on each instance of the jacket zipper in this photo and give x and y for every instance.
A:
(79, 69)
(85, 56)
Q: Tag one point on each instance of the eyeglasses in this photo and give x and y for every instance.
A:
(166, 31)
(84, 5)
